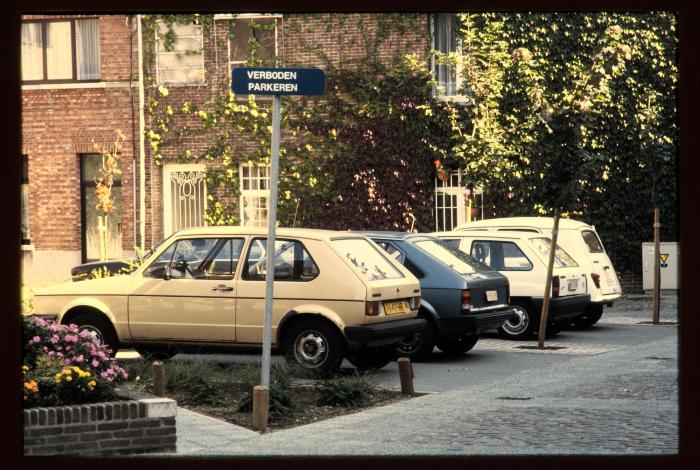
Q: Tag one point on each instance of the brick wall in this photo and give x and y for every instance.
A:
(126, 427)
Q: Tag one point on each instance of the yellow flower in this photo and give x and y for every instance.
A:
(69, 378)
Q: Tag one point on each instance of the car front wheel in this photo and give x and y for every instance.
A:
(418, 346)
(101, 330)
(315, 345)
(458, 345)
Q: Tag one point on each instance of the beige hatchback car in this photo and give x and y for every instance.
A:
(336, 295)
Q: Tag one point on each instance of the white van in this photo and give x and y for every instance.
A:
(581, 241)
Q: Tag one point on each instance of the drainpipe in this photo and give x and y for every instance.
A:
(142, 145)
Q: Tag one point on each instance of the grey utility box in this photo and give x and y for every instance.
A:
(669, 253)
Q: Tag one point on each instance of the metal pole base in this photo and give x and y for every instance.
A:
(261, 398)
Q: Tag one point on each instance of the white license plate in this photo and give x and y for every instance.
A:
(491, 295)
(395, 308)
(573, 284)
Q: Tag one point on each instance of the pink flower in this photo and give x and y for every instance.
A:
(54, 339)
(67, 348)
(36, 339)
(51, 353)
(95, 363)
(79, 358)
(59, 354)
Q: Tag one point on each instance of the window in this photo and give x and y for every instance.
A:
(444, 37)
(198, 258)
(454, 203)
(452, 257)
(255, 194)
(253, 39)
(94, 220)
(25, 200)
(542, 247)
(592, 241)
(184, 197)
(183, 60)
(292, 261)
(452, 241)
(502, 256)
(366, 259)
(61, 51)
(394, 253)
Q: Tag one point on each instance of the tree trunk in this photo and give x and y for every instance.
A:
(657, 268)
(548, 283)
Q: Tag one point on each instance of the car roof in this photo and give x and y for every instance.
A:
(226, 230)
(506, 235)
(537, 222)
(392, 235)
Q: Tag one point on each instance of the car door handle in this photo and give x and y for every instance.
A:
(223, 288)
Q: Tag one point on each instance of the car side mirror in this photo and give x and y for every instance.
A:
(181, 265)
(166, 272)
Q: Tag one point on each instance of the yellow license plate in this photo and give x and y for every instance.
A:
(394, 308)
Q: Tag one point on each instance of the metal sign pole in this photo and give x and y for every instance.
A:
(271, 226)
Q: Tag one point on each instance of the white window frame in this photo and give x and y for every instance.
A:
(252, 16)
(254, 193)
(446, 188)
(198, 35)
(437, 91)
(168, 169)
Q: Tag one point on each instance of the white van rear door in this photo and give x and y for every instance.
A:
(602, 266)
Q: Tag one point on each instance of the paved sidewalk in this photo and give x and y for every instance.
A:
(620, 402)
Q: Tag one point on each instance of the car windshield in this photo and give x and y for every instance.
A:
(561, 257)
(366, 259)
(455, 259)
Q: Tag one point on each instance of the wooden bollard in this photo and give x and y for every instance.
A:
(406, 375)
(261, 398)
(158, 378)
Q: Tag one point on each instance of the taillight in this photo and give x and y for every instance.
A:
(596, 279)
(372, 308)
(555, 286)
(414, 302)
(466, 301)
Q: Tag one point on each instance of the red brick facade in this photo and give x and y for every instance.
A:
(59, 122)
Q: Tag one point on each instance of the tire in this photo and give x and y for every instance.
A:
(590, 317)
(525, 324)
(372, 358)
(418, 346)
(553, 329)
(458, 345)
(315, 345)
(155, 354)
(103, 329)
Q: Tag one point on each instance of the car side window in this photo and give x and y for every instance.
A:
(393, 251)
(453, 241)
(292, 261)
(222, 260)
(502, 256)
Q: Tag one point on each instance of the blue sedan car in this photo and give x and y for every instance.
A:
(460, 296)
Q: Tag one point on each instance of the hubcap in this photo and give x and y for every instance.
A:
(518, 324)
(410, 344)
(310, 348)
(94, 331)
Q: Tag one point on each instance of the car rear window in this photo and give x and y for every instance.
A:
(366, 259)
(592, 241)
(455, 259)
(561, 258)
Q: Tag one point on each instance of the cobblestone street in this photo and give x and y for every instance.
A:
(614, 392)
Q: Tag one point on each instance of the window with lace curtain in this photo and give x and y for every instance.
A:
(58, 51)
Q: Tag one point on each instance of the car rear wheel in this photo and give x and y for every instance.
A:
(315, 345)
(523, 323)
(101, 330)
(372, 358)
(590, 317)
(458, 345)
(418, 346)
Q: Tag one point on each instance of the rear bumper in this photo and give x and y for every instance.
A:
(385, 333)
(565, 307)
(467, 324)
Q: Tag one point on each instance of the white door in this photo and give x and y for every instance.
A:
(184, 197)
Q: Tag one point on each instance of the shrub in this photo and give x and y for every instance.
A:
(344, 391)
(64, 366)
(280, 398)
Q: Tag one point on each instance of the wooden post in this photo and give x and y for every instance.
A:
(406, 375)
(158, 378)
(548, 282)
(657, 268)
(261, 398)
